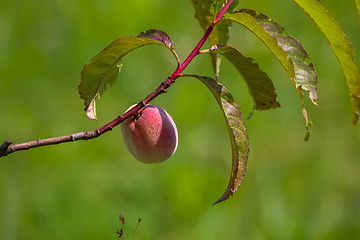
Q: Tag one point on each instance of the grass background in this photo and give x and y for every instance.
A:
(292, 190)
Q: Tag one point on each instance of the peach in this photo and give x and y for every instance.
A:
(152, 136)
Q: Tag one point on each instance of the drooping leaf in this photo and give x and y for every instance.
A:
(305, 75)
(286, 49)
(205, 13)
(102, 70)
(250, 23)
(260, 86)
(341, 46)
(237, 132)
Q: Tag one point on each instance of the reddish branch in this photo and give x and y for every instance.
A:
(7, 147)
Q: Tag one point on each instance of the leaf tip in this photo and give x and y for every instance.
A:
(224, 197)
(157, 35)
(91, 110)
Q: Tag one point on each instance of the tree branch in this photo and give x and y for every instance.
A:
(7, 147)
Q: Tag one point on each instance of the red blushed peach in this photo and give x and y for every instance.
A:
(152, 136)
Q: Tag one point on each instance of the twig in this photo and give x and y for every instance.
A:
(7, 147)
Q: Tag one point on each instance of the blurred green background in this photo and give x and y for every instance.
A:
(292, 190)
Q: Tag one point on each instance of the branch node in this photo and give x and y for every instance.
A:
(97, 132)
(170, 80)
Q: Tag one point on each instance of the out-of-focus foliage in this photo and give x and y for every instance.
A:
(292, 189)
(205, 13)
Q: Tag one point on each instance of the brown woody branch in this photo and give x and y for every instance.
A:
(7, 147)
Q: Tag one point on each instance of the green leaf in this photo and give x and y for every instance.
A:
(102, 71)
(341, 46)
(237, 131)
(205, 13)
(260, 86)
(286, 49)
(357, 3)
(305, 75)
